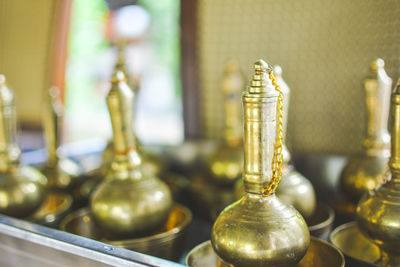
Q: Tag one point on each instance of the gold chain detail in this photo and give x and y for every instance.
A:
(278, 156)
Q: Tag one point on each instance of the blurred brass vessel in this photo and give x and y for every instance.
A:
(294, 188)
(365, 172)
(226, 163)
(358, 250)
(54, 207)
(129, 201)
(378, 212)
(62, 173)
(319, 254)
(166, 242)
(237, 232)
(22, 188)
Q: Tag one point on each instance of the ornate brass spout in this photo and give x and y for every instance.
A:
(260, 230)
(378, 212)
(21, 188)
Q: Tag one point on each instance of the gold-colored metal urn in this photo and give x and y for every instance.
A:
(62, 173)
(226, 163)
(22, 188)
(294, 188)
(378, 212)
(365, 172)
(259, 229)
(129, 201)
(151, 163)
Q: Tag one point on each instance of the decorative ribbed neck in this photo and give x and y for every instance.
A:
(259, 105)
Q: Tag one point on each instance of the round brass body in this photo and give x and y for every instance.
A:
(54, 207)
(358, 250)
(166, 242)
(226, 164)
(130, 207)
(237, 232)
(294, 189)
(362, 174)
(319, 254)
(63, 175)
(22, 191)
(378, 217)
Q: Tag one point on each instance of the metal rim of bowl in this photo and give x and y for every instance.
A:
(175, 230)
(338, 230)
(325, 223)
(205, 243)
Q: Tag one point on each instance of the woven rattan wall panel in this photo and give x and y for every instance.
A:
(324, 47)
(26, 29)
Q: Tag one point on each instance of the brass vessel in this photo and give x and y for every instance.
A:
(294, 188)
(22, 188)
(226, 163)
(365, 172)
(128, 201)
(237, 232)
(319, 254)
(378, 212)
(166, 242)
(62, 173)
(151, 163)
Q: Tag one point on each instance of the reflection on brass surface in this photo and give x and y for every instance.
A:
(294, 188)
(358, 250)
(319, 254)
(128, 201)
(226, 164)
(237, 232)
(365, 172)
(53, 208)
(378, 212)
(21, 188)
(166, 242)
(61, 173)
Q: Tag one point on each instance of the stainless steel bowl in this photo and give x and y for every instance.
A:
(358, 250)
(54, 207)
(167, 242)
(319, 254)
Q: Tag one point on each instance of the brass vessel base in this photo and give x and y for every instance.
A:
(319, 254)
(54, 207)
(358, 250)
(167, 242)
(321, 221)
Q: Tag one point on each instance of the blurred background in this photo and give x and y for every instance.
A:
(175, 52)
